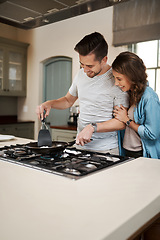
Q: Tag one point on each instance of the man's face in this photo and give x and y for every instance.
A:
(91, 66)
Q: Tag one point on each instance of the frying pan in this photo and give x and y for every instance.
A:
(56, 147)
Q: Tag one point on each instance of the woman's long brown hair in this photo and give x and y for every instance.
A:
(130, 65)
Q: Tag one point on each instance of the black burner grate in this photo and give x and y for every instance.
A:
(71, 162)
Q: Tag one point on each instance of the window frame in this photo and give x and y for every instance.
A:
(133, 48)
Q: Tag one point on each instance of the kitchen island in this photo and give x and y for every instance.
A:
(111, 204)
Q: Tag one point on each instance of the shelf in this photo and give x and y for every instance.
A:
(15, 63)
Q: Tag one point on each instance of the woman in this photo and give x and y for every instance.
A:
(142, 133)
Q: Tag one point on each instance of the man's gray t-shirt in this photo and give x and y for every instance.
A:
(97, 97)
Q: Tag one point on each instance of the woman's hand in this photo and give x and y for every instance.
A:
(85, 135)
(121, 113)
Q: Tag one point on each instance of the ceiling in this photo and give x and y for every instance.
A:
(28, 14)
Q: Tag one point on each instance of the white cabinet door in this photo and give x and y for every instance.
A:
(63, 135)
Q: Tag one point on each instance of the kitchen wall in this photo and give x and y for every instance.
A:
(8, 106)
(56, 39)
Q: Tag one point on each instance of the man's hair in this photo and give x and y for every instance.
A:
(93, 43)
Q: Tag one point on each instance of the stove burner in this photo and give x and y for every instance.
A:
(17, 152)
(91, 166)
(70, 163)
(34, 162)
(47, 158)
(52, 156)
(72, 171)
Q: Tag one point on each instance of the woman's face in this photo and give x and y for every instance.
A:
(121, 81)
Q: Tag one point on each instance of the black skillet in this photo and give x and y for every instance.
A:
(57, 146)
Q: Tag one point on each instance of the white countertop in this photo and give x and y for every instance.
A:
(15, 140)
(108, 205)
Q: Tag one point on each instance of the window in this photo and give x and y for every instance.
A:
(150, 54)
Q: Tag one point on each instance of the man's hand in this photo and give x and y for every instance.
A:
(46, 106)
(85, 135)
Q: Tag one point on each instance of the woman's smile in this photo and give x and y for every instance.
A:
(121, 81)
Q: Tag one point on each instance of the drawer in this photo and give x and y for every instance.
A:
(63, 135)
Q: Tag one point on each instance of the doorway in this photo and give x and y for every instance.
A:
(57, 80)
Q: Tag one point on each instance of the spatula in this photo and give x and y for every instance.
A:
(44, 136)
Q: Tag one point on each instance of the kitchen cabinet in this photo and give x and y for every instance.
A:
(63, 135)
(25, 130)
(13, 66)
(149, 231)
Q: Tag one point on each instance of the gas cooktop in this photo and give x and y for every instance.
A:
(71, 163)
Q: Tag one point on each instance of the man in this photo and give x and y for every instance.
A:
(97, 94)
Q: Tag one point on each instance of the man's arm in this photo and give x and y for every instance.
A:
(60, 103)
(108, 126)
